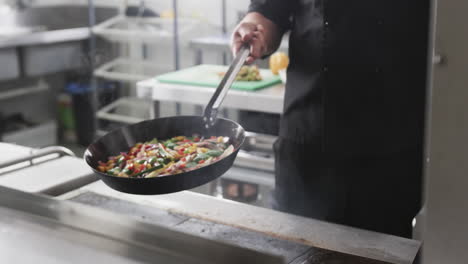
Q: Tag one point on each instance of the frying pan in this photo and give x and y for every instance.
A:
(122, 139)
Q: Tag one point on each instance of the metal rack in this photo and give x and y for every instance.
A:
(51, 170)
(55, 151)
(103, 28)
(122, 29)
(17, 92)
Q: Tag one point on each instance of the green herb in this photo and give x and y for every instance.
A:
(214, 153)
(191, 164)
(152, 160)
(201, 156)
(113, 171)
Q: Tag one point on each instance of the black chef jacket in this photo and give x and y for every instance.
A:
(356, 79)
(351, 133)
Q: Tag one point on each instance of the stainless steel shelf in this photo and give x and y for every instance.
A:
(46, 37)
(17, 92)
(127, 70)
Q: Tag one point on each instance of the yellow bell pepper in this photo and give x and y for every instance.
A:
(278, 61)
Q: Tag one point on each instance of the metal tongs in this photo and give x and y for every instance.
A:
(211, 110)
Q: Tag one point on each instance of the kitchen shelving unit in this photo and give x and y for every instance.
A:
(134, 34)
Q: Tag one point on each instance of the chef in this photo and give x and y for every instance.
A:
(350, 141)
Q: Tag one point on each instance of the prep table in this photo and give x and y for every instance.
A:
(96, 223)
(269, 100)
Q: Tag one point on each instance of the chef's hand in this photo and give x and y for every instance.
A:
(260, 33)
(253, 34)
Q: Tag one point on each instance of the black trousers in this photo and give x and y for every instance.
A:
(377, 192)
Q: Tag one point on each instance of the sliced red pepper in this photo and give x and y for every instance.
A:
(186, 140)
(196, 139)
(181, 151)
(139, 169)
(201, 162)
(182, 166)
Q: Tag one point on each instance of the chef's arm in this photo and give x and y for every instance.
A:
(263, 27)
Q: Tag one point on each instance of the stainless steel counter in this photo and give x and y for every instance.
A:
(292, 252)
(252, 227)
(97, 224)
(43, 230)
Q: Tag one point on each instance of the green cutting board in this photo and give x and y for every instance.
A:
(209, 76)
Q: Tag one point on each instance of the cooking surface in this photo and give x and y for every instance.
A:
(262, 222)
(44, 243)
(52, 231)
(296, 239)
(291, 251)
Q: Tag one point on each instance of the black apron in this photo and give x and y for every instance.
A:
(354, 109)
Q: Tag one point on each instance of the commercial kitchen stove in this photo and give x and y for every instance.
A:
(295, 239)
(90, 222)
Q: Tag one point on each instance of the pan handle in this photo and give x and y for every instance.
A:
(211, 110)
